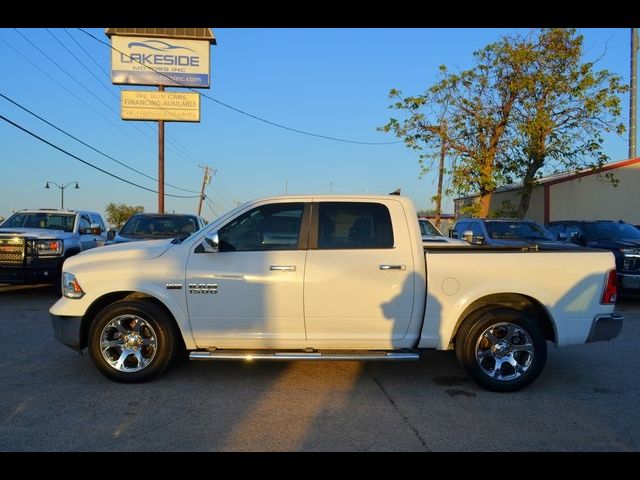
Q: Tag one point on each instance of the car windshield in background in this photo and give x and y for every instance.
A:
(48, 221)
(160, 227)
(517, 230)
(427, 229)
(611, 231)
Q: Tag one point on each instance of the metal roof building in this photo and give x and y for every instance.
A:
(585, 195)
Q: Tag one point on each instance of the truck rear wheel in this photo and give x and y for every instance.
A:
(132, 341)
(502, 349)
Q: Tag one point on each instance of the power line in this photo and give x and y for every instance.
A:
(2, 117)
(216, 213)
(238, 110)
(86, 88)
(87, 53)
(90, 107)
(170, 139)
(83, 65)
(87, 145)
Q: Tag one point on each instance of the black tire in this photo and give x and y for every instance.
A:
(151, 324)
(518, 339)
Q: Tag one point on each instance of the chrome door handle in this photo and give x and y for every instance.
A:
(291, 268)
(392, 267)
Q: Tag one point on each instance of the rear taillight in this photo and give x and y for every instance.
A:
(611, 289)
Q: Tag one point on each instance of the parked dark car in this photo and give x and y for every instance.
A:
(154, 226)
(430, 234)
(623, 239)
(507, 232)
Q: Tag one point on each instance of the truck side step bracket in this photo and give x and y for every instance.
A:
(295, 355)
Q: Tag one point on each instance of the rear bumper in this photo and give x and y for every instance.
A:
(67, 330)
(605, 327)
(629, 281)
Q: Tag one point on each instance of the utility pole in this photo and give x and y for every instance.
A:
(633, 93)
(160, 161)
(206, 179)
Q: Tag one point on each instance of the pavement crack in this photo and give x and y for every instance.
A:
(402, 415)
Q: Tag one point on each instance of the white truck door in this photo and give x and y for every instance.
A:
(359, 279)
(249, 294)
(87, 239)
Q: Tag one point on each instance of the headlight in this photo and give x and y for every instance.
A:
(49, 247)
(70, 286)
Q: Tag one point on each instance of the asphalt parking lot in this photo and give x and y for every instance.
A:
(54, 400)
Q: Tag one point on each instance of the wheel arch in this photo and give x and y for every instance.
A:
(517, 301)
(109, 298)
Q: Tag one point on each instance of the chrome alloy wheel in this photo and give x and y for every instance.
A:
(128, 343)
(504, 351)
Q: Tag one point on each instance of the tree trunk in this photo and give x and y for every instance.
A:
(525, 199)
(485, 204)
(443, 152)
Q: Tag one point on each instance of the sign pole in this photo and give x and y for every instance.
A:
(160, 161)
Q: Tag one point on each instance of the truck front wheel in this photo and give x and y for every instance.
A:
(502, 349)
(131, 341)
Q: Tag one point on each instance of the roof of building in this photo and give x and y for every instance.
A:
(565, 177)
(182, 33)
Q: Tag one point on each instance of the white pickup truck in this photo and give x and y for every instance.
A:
(331, 278)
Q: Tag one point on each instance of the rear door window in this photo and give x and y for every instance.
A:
(349, 225)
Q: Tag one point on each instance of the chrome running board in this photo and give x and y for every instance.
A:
(283, 355)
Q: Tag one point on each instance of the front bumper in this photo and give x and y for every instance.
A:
(41, 270)
(67, 330)
(605, 327)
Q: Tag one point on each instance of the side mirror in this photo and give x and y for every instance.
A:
(478, 240)
(111, 234)
(562, 237)
(211, 243)
(468, 236)
(95, 229)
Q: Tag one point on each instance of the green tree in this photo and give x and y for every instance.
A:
(528, 106)
(118, 214)
(562, 114)
(473, 109)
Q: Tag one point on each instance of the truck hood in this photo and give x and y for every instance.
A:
(122, 251)
(33, 233)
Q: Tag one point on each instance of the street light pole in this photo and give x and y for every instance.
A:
(61, 190)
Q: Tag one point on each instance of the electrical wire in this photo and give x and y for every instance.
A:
(87, 145)
(89, 90)
(168, 137)
(29, 132)
(238, 110)
(213, 210)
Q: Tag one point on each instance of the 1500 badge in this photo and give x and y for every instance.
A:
(203, 288)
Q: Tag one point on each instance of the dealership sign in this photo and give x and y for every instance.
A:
(160, 61)
(166, 106)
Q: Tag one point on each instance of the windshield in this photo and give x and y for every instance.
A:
(517, 230)
(427, 229)
(159, 227)
(611, 231)
(49, 221)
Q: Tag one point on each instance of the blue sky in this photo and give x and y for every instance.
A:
(332, 82)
